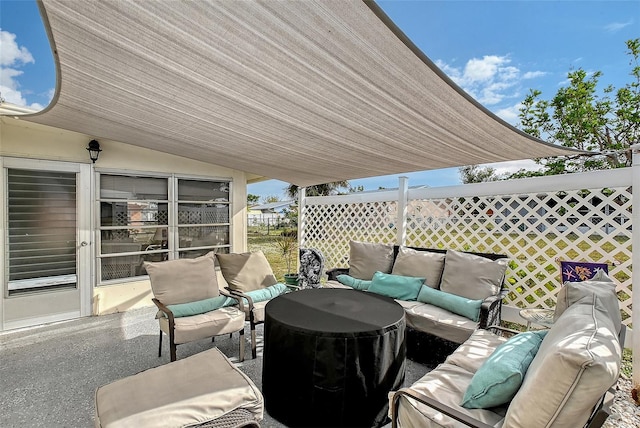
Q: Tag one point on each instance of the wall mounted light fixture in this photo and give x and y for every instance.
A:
(94, 150)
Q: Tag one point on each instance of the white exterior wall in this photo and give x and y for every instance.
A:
(25, 140)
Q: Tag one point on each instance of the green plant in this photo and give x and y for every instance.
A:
(288, 245)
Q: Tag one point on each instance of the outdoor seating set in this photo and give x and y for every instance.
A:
(452, 308)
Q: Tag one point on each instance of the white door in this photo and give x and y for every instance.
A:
(47, 241)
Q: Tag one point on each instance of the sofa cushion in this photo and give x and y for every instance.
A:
(475, 350)
(457, 304)
(246, 271)
(472, 276)
(183, 280)
(445, 384)
(600, 286)
(577, 362)
(396, 286)
(410, 262)
(500, 376)
(365, 259)
(439, 322)
(358, 284)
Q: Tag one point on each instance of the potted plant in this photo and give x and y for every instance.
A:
(288, 245)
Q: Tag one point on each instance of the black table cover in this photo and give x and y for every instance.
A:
(331, 356)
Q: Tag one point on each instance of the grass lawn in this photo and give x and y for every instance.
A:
(261, 241)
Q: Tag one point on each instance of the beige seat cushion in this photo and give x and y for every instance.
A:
(447, 385)
(366, 258)
(440, 322)
(183, 280)
(246, 271)
(422, 264)
(578, 361)
(335, 284)
(471, 276)
(221, 321)
(475, 350)
(197, 389)
(258, 311)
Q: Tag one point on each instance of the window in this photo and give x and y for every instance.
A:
(137, 221)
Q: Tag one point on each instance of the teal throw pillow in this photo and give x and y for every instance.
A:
(200, 306)
(396, 286)
(266, 293)
(498, 379)
(358, 284)
(457, 304)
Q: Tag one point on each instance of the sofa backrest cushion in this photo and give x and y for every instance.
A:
(246, 271)
(183, 280)
(578, 361)
(410, 262)
(602, 288)
(472, 276)
(366, 258)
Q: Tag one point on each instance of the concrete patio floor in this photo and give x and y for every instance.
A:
(49, 374)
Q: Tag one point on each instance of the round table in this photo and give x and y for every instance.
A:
(331, 356)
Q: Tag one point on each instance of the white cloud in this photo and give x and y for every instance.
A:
(617, 26)
(513, 166)
(490, 79)
(10, 52)
(12, 57)
(510, 114)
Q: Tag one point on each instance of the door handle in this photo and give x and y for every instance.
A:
(84, 243)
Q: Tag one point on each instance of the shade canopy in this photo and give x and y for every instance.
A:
(307, 92)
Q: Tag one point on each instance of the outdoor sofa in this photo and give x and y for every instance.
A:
(446, 294)
(549, 378)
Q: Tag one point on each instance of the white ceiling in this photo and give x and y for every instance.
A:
(306, 92)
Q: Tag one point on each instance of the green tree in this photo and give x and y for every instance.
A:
(326, 189)
(580, 118)
(477, 174)
(252, 199)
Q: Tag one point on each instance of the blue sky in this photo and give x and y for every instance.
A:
(495, 50)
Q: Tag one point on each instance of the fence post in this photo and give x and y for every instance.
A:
(403, 201)
(635, 262)
(302, 196)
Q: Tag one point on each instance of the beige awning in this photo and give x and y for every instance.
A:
(306, 92)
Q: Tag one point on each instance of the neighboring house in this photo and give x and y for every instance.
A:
(75, 234)
(270, 214)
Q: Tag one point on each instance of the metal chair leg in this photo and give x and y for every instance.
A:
(254, 352)
(160, 345)
(241, 345)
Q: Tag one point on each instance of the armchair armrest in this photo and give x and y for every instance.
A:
(434, 404)
(163, 308)
(229, 293)
(332, 274)
(240, 296)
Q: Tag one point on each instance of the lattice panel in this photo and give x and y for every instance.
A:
(329, 228)
(535, 230)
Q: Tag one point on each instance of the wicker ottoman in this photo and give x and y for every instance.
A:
(205, 389)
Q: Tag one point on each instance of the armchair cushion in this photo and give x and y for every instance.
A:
(246, 271)
(183, 280)
(365, 259)
(396, 286)
(267, 293)
(200, 306)
(458, 305)
(498, 379)
(410, 262)
(358, 284)
(471, 276)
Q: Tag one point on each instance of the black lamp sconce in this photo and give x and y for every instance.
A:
(94, 150)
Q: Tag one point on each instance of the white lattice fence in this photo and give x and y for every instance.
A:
(536, 222)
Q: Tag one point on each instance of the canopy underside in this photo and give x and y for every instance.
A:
(307, 92)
